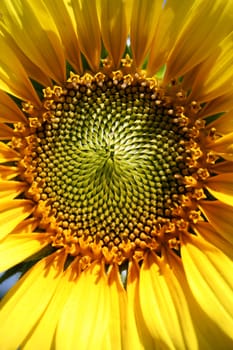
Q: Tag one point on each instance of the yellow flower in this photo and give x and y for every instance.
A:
(116, 174)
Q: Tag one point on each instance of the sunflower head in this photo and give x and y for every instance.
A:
(116, 172)
(110, 159)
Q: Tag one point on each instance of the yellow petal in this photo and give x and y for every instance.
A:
(84, 320)
(8, 172)
(145, 17)
(220, 216)
(6, 132)
(117, 320)
(32, 70)
(11, 189)
(12, 213)
(10, 113)
(209, 274)
(187, 81)
(226, 156)
(161, 294)
(223, 124)
(206, 231)
(62, 19)
(26, 226)
(25, 303)
(116, 29)
(170, 22)
(13, 77)
(43, 332)
(221, 187)
(7, 154)
(17, 247)
(31, 23)
(208, 334)
(223, 145)
(223, 167)
(150, 308)
(138, 336)
(220, 104)
(193, 43)
(217, 72)
(87, 27)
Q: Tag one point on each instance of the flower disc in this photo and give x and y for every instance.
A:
(107, 160)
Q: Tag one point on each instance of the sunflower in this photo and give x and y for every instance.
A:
(116, 174)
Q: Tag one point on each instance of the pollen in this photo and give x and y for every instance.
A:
(112, 164)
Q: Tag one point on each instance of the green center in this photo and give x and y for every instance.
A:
(107, 161)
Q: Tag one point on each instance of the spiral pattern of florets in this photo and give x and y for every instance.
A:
(109, 158)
